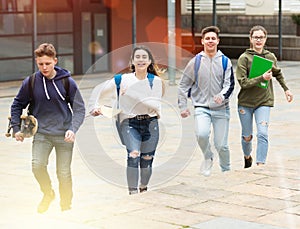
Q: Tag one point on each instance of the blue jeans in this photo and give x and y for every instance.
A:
(141, 136)
(219, 120)
(41, 149)
(262, 116)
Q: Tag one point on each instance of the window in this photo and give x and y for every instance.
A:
(7, 6)
(54, 5)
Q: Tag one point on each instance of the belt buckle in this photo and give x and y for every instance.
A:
(141, 117)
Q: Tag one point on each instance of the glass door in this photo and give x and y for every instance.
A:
(94, 42)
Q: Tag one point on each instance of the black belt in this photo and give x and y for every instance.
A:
(142, 117)
(201, 107)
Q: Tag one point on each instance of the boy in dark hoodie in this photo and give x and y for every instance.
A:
(57, 119)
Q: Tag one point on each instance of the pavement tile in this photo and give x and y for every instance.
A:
(133, 221)
(181, 217)
(294, 210)
(281, 182)
(273, 169)
(40, 222)
(258, 202)
(198, 194)
(261, 190)
(295, 198)
(281, 219)
(229, 223)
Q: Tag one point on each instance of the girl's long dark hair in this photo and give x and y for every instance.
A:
(152, 68)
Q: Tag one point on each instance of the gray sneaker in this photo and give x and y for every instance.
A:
(206, 167)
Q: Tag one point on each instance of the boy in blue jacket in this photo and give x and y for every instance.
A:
(59, 111)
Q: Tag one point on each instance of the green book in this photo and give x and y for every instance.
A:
(259, 66)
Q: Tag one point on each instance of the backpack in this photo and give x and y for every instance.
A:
(65, 82)
(118, 79)
(197, 66)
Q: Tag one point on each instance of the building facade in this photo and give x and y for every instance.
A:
(81, 30)
(85, 30)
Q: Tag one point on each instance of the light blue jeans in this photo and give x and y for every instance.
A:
(262, 116)
(219, 120)
(41, 149)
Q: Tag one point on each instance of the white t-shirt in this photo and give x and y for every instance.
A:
(136, 96)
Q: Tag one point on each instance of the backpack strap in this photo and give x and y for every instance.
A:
(150, 77)
(196, 69)
(118, 79)
(197, 66)
(66, 83)
(31, 85)
(30, 88)
(224, 64)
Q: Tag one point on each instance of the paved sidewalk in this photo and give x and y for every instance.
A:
(179, 197)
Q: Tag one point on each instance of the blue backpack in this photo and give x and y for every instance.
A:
(118, 79)
(197, 66)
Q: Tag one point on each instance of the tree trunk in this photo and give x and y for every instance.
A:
(298, 30)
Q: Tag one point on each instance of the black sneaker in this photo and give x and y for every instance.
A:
(46, 201)
(248, 162)
(143, 189)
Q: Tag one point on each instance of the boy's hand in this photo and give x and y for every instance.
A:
(19, 136)
(185, 113)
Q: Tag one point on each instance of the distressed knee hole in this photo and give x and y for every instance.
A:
(264, 123)
(147, 157)
(247, 139)
(242, 111)
(134, 154)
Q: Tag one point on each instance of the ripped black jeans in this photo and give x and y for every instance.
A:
(141, 139)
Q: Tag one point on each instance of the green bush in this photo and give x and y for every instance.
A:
(296, 18)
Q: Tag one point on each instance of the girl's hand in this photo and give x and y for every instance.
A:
(123, 90)
(96, 112)
(267, 75)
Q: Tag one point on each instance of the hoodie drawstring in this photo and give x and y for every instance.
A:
(56, 88)
(45, 88)
(58, 92)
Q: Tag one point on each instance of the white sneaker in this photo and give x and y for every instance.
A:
(206, 167)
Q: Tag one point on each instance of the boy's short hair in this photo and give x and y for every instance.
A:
(208, 29)
(45, 49)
